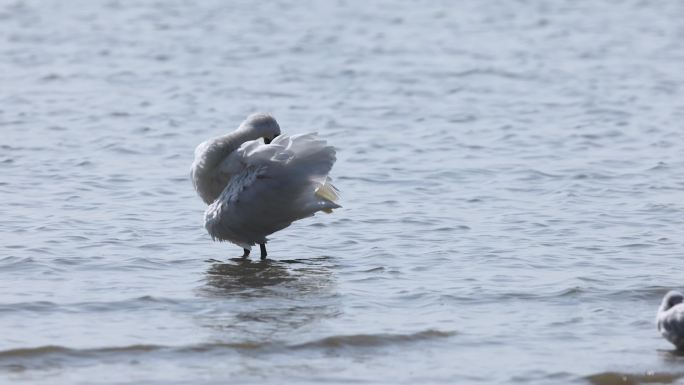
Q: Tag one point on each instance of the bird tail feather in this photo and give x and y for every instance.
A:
(330, 194)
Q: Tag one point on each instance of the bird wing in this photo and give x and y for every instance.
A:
(671, 325)
(276, 184)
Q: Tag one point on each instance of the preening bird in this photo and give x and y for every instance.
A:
(670, 318)
(256, 188)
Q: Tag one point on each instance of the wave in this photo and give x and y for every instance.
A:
(583, 288)
(615, 378)
(332, 342)
(53, 349)
(374, 340)
(146, 302)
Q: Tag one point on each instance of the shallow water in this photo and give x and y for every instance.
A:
(511, 179)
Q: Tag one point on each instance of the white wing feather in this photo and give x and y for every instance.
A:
(271, 186)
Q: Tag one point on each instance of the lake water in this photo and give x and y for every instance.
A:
(511, 175)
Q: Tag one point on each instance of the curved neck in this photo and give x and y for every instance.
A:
(221, 147)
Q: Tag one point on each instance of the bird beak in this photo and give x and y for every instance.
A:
(269, 140)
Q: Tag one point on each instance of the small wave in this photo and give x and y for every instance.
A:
(636, 245)
(591, 176)
(138, 303)
(493, 72)
(659, 166)
(12, 263)
(373, 340)
(357, 340)
(654, 293)
(574, 291)
(615, 378)
(94, 353)
(532, 175)
(37, 306)
(585, 292)
(52, 350)
(32, 352)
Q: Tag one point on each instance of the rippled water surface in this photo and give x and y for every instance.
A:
(511, 175)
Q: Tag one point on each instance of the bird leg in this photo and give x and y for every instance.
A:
(263, 250)
(246, 253)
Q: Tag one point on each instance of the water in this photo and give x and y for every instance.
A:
(511, 178)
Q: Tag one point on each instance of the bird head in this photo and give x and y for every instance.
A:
(261, 125)
(671, 299)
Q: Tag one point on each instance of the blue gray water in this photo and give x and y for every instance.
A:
(511, 175)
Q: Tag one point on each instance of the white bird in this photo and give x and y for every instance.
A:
(670, 318)
(254, 189)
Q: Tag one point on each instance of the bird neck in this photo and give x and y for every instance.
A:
(220, 148)
(243, 134)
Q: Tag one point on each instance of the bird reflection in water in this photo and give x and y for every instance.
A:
(260, 300)
(672, 355)
(227, 278)
(301, 275)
